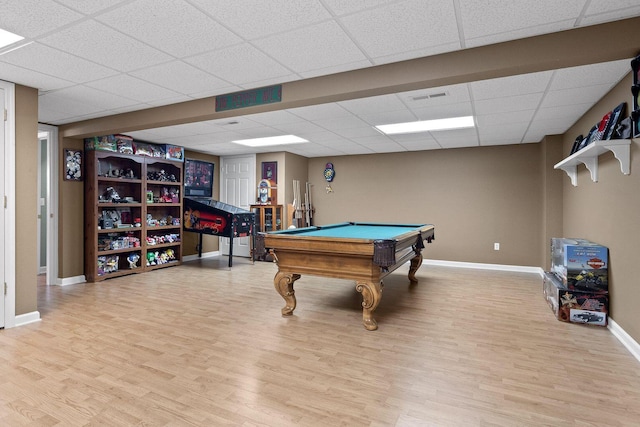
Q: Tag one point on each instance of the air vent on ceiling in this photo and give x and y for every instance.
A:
(429, 96)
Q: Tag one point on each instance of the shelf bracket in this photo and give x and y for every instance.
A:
(592, 165)
(622, 153)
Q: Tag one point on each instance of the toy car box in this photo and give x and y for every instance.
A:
(580, 264)
(575, 306)
(101, 143)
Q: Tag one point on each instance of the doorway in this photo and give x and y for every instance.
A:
(237, 188)
(48, 203)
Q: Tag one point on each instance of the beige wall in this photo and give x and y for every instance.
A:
(475, 197)
(70, 217)
(26, 105)
(606, 212)
(190, 240)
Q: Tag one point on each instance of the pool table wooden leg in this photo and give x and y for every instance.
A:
(371, 295)
(416, 262)
(284, 285)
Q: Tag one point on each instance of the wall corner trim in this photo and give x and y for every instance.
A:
(25, 319)
(65, 281)
(626, 340)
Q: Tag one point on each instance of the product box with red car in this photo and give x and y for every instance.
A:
(580, 264)
(575, 306)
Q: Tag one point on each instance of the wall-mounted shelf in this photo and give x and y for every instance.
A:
(589, 157)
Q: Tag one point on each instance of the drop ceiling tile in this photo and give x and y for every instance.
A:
(421, 145)
(347, 121)
(389, 117)
(105, 45)
(311, 48)
(456, 138)
(507, 104)
(241, 64)
(254, 19)
(534, 136)
(458, 143)
(602, 11)
(372, 105)
(91, 6)
(407, 26)
(444, 111)
(341, 7)
(275, 118)
(43, 16)
(46, 60)
(319, 112)
(172, 26)
(512, 117)
(168, 101)
(510, 86)
(300, 129)
(574, 96)
(347, 66)
(388, 147)
(132, 88)
(589, 75)
(44, 82)
(180, 77)
(569, 113)
(366, 131)
(416, 53)
(509, 18)
(511, 131)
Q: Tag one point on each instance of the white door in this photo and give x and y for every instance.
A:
(237, 188)
(2, 244)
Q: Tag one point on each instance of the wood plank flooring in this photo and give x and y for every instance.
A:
(202, 345)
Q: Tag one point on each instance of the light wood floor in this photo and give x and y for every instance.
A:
(201, 345)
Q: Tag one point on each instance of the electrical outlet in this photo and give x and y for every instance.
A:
(496, 246)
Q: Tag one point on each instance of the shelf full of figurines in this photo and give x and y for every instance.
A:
(112, 195)
(110, 264)
(162, 221)
(161, 257)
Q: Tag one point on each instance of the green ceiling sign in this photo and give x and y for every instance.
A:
(249, 98)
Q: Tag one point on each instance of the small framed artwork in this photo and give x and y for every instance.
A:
(270, 171)
(73, 165)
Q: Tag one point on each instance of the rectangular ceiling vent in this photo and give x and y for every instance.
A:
(429, 96)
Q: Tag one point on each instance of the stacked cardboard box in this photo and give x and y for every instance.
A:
(577, 287)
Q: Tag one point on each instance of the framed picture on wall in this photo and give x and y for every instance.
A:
(270, 171)
(73, 165)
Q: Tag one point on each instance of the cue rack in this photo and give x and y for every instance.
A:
(303, 211)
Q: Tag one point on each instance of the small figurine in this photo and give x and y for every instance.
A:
(133, 259)
(151, 258)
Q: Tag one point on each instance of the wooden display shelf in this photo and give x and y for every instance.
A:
(589, 157)
(100, 165)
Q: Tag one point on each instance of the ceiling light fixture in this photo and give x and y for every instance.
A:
(7, 38)
(271, 140)
(427, 125)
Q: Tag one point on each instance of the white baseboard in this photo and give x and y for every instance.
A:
(626, 340)
(480, 266)
(204, 255)
(25, 319)
(65, 281)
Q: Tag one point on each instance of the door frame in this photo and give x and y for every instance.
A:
(52, 202)
(9, 191)
(223, 242)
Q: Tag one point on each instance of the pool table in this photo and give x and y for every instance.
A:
(364, 252)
